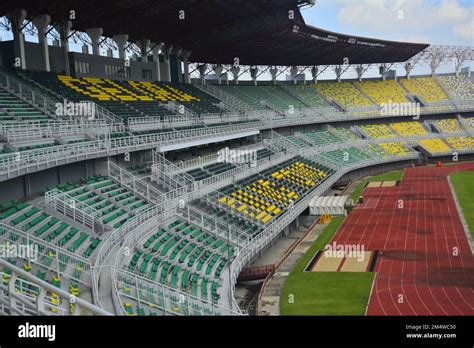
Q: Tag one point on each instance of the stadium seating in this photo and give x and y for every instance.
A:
(200, 102)
(308, 94)
(460, 87)
(348, 156)
(425, 87)
(267, 195)
(395, 148)
(460, 143)
(408, 129)
(13, 108)
(449, 125)
(295, 141)
(321, 137)
(435, 146)
(42, 225)
(343, 133)
(114, 203)
(124, 98)
(378, 131)
(383, 92)
(245, 94)
(182, 256)
(470, 122)
(343, 93)
(259, 96)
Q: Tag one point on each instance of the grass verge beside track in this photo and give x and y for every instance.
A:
(390, 176)
(325, 293)
(463, 183)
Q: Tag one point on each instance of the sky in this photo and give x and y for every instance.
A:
(441, 22)
(436, 22)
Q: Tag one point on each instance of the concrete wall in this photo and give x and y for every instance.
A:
(98, 63)
(33, 184)
(34, 61)
(33, 57)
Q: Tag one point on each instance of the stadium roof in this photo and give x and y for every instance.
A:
(257, 32)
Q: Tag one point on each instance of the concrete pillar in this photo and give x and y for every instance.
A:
(121, 41)
(314, 73)
(144, 45)
(156, 58)
(383, 70)
(294, 73)
(218, 71)
(235, 70)
(202, 72)
(41, 23)
(360, 71)
(408, 68)
(167, 54)
(253, 73)
(64, 28)
(273, 73)
(338, 71)
(186, 55)
(435, 61)
(16, 18)
(95, 34)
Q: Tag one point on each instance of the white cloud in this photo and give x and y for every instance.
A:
(416, 17)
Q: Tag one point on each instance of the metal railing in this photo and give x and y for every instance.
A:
(20, 163)
(133, 183)
(175, 301)
(65, 204)
(27, 295)
(59, 261)
(27, 94)
(167, 169)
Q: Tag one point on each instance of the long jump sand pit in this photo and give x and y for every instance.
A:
(333, 263)
(389, 184)
(327, 264)
(374, 184)
(357, 263)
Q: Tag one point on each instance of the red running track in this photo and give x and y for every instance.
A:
(418, 272)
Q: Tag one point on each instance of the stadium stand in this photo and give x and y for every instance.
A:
(435, 146)
(259, 96)
(409, 128)
(470, 122)
(343, 133)
(266, 195)
(13, 108)
(378, 131)
(460, 87)
(38, 223)
(321, 137)
(460, 143)
(343, 93)
(308, 94)
(350, 155)
(383, 92)
(396, 148)
(425, 87)
(449, 125)
(184, 257)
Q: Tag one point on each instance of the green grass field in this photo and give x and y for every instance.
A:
(463, 183)
(390, 176)
(325, 293)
